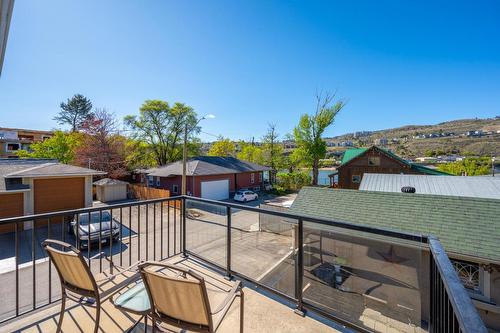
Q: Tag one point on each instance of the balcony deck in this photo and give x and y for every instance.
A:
(262, 313)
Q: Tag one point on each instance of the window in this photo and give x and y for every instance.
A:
(151, 180)
(13, 146)
(157, 181)
(468, 274)
(252, 178)
(373, 160)
(356, 178)
(175, 189)
(260, 177)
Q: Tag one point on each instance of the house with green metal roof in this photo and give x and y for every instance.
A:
(358, 161)
(467, 227)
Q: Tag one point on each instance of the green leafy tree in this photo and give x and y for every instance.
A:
(308, 134)
(162, 127)
(273, 151)
(293, 181)
(251, 153)
(222, 147)
(74, 112)
(473, 166)
(61, 146)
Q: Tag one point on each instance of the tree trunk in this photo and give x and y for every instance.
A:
(315, 171)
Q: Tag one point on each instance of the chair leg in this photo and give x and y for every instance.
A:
(242, 310)
(97, 316)
(61, 315)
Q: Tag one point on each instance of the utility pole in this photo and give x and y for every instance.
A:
(184, 158)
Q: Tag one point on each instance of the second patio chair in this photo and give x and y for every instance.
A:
(76, 277)
(180, 298)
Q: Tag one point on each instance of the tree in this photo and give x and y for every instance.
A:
(222, 147)
(61, 147)
(308, 134)
(251, 153)
(473, 166)
(74, 112)
(162, 126)
(102, 148)
(273, 151)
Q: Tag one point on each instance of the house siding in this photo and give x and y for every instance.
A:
(359, 165)
(11, 205)
(244, 180)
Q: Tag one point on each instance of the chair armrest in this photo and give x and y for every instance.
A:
(229, 298)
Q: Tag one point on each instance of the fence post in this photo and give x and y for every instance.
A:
(228, 244)
(183, 202)
(299, 268)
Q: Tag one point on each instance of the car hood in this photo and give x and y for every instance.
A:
(95, 227)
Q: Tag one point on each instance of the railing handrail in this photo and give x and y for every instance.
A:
(31, 217)
(466, 314)
(306, 218)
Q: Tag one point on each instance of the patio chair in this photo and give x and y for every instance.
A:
(181, 299)
(76, 277)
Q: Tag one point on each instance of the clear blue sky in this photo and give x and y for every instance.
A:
(254, 62)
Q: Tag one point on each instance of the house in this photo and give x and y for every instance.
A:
(474, 187)
(34, 186)
(357, 161)
(210, 177)
(14, 139)
(468, 228)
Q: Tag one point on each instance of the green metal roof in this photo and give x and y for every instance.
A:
(349, 154)
(352, 153)
(467, 226)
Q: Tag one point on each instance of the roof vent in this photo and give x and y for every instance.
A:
(408, 189)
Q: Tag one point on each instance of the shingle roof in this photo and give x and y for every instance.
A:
(467, 226)
(352, 153)
(109, 181)
(478, 187)
(207, 165)
(18, 168)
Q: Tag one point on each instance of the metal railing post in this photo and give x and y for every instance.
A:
(183, 202)
(299, 268)
(228, 244)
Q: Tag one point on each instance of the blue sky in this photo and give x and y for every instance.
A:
(254, 62)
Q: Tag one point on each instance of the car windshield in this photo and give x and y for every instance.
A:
(239, 193)
(248, 193)
(94, 216)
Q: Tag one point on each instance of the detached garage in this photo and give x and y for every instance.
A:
(108, 189)
(35, 186)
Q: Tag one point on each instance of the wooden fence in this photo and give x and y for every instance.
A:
(142, 192)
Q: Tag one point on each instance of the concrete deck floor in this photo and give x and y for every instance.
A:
(262, 314)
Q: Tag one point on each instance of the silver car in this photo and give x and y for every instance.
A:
(100, 223)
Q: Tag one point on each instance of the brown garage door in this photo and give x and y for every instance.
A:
(10, 205)
(56, 194)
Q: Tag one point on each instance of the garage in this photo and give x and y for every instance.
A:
(10, 205)
(215, 190)
(54, 194)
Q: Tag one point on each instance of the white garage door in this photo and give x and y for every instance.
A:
(215, 190)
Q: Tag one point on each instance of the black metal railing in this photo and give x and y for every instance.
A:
(141, 230)
(344, 271)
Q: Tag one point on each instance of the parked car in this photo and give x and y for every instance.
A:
(245, 195)
(89, 230)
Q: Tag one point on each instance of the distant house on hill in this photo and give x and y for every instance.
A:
(209, 177)
(358, 161)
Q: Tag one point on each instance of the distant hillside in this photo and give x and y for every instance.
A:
(475, 136)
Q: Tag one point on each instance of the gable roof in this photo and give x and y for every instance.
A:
(466, 226)
(353, 153)
(18, 168)
(207, 165)
(478, 187)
